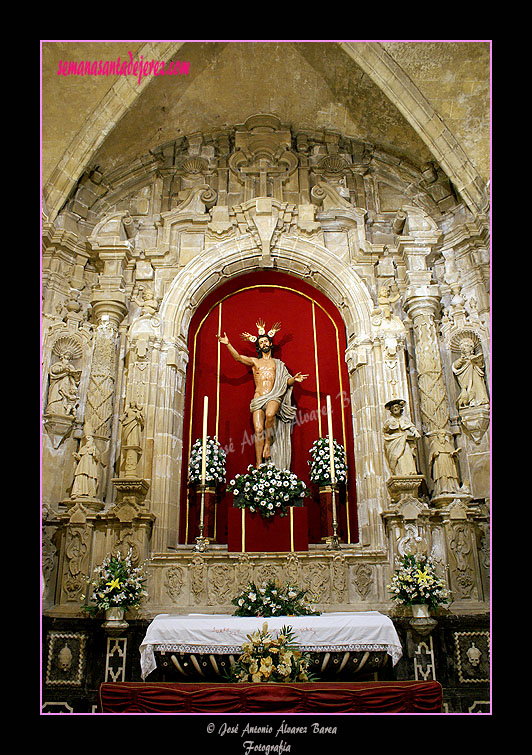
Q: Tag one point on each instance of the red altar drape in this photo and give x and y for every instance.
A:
(303, 697)
(312, 341)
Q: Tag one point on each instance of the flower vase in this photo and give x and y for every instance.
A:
(114, 623)
(420, 611)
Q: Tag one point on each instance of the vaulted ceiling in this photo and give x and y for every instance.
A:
(418, 101)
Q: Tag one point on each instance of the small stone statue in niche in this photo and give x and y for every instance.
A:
(132, 426)
(469, 372)
(85, 483)
(399, 440)
(442, 464)
(63, 390)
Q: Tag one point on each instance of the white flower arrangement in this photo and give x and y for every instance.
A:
(267, 490)
(415, 582)
(274, 599)
(320, 466)
(215, 462)
(117, 584)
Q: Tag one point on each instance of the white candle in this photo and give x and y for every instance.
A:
(331, 451)
(204, 447)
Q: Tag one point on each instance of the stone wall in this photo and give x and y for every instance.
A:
(132, 255)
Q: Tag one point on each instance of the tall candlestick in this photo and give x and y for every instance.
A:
(204, 447)
(333, 542)
(331, 448)
(202, 542)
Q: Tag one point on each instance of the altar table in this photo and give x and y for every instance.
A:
(225, 634)
(301, 697)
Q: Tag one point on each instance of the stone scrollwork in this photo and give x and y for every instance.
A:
(462, 572)
(76, 563)
(198, 577)
(363, 579)
(318, 580)
(221, 583)
(174, 582)
(292, 569)
(339, 577)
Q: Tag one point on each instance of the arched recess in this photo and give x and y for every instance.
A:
(312, 340)
(295, 256)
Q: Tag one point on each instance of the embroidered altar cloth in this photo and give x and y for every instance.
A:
(225, 634)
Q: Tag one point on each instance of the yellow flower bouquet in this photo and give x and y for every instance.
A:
(266, 658)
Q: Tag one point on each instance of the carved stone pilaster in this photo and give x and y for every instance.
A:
(100, 396)
(75, 565)
(432, 390)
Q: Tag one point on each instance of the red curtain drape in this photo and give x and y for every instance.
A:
(303, 697)
(312, 341)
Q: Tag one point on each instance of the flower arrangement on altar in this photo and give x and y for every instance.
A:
(415, 582)
(274, 599)
(117, 584)
(215, 462)
(267, 490)
(271, 659)
(320, 466)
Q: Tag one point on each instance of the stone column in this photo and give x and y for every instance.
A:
(109, 306)
(422, 305)
(169, 398)
(80, 544)
(370, 468)
(422, 310)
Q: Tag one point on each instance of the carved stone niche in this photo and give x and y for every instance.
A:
(63, 388)
(469, 370)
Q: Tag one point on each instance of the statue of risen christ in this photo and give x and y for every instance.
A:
(271, 406)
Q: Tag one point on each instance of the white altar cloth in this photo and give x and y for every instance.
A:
(222, 633)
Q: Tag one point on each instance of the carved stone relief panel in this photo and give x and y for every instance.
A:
(76, 564)
(472, 657)
(66, 659)
(174, 581)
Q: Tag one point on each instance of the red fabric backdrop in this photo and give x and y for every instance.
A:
(303, 697)
(312, 341)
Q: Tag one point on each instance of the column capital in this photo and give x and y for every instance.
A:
(422, 300)
(109, 304)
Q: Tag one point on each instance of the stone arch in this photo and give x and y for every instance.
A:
(295, 256)
(344, 288)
